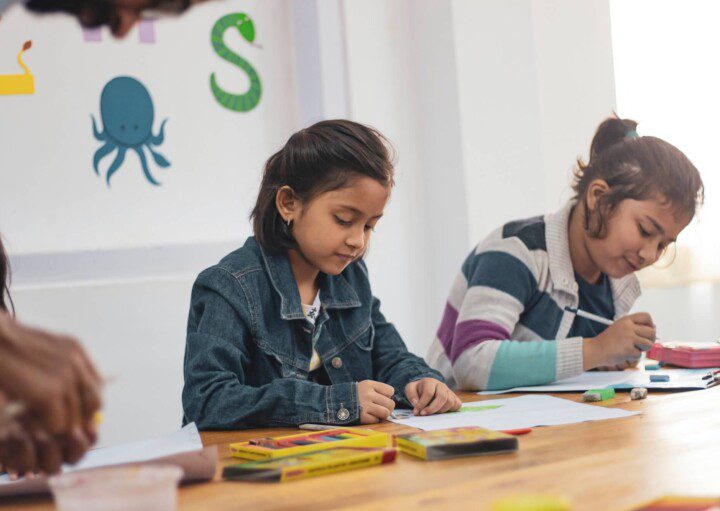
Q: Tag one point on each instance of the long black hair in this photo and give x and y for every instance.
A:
(635, 167)
(321, 158)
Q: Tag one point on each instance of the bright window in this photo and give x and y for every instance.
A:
(667, 76)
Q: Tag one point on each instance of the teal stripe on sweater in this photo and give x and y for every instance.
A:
(519, 364)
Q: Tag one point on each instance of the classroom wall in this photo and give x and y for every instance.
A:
(686, 313)
(114, 264)
(485, 102)
(534, 80)
(404, 84)
(489, 106)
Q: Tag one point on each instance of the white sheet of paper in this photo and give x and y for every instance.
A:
(183, 448)
(516, 413)
(679, 379)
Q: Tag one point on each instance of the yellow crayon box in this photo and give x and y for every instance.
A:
(292, 445)
(455, 443)
(311, 464)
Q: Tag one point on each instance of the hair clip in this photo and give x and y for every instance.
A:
(632, 134)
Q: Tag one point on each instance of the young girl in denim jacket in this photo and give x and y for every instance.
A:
(285, 330)
(510, 319)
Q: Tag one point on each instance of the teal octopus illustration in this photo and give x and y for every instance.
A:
(127, 115)
(245, 26)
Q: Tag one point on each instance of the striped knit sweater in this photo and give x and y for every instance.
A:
(505, 323)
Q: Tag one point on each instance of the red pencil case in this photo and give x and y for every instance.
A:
(686, 354)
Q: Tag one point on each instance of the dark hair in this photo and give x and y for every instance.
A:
(637, 168)
(5, 281)
(318, 159)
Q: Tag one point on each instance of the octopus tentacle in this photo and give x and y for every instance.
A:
(98, 136)
(116, 164)
(159, 158)
(101, 153)
(143, 161)
(158, 139)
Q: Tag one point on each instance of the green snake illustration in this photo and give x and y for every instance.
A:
(246, 27)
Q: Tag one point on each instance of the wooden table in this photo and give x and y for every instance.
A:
(673, 447)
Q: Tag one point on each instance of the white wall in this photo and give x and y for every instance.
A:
(114, 265)
(535, 78)
(54, 201)
(134, 331)
(684, 313)
(666, 85)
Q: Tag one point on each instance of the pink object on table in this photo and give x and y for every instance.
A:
(686, 354)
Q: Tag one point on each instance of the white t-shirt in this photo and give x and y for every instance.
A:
(311, 313)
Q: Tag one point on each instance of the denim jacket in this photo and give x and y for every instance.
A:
(249, 346)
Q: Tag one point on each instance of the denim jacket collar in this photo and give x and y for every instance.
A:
(335, 291)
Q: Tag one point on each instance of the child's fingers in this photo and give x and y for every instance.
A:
(19, 454)
(366, 418)
(642, 318)
(436, 404)
(49, 455)
(449, 405)
(643, 344)
(383, 401)
(427, 392)
(648, 332)
(384, 389)
(74, 445)
(411, 392)
(458, 402)
(378, 411)
(453, 402)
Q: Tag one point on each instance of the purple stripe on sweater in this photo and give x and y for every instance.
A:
(447, 328)
(472, 332)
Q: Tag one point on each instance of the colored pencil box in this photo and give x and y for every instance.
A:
(292, 445)
(686, 354)
(311, 464)
(455, 443)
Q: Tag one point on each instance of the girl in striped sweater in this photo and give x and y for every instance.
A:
(506, 322)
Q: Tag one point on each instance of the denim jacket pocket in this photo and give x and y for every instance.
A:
(366, 339)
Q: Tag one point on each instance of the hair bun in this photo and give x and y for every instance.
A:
(610, 132)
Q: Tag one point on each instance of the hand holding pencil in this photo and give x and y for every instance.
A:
(622, 342)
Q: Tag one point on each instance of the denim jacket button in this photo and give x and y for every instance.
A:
(343, 414)
(336, 362)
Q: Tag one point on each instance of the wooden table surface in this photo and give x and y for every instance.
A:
(672, 447)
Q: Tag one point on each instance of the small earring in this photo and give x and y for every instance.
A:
(289, 221)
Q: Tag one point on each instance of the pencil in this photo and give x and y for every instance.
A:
(589, 315)
(594, 317)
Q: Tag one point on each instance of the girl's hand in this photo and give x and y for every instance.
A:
(376, 402)
(622, 342)
(429, 396)
(51, 375)
(620, 367)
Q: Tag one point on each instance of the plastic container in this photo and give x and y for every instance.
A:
(143, 488)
